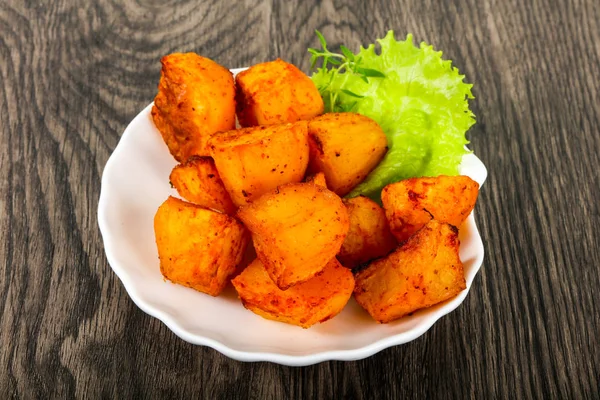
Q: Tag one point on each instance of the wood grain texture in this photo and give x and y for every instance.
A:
(74, 73)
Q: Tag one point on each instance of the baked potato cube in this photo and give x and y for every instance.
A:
(424, 271)
(369, 236)
(296, 231)
(411, 203)
(317, 179)
(196, 98)
(316, 300)
(197, 247)
(345, 147)
(254, 161)
(198, 181)
(275, 92)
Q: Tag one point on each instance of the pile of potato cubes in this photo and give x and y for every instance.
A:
(275, 187)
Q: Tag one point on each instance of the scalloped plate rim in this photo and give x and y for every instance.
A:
(471, 166)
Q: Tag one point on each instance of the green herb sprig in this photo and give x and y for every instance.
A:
(336, 64)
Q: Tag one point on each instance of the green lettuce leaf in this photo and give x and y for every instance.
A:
(421, 104)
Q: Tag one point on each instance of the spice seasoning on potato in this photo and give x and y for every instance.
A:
(317, 179)
(424, 271)
(254, 161)
(345, 147)
(196, 98)
(296, 231)
(275, 92)
(369, 236)
(316, 300)
(197, 247)
(411, 203)
(198, 181)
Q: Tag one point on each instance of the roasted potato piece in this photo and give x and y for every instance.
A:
(196, 98)
(197, 247)
(345, 147)
(316, 300)
(411, 203)
(424, 271)
(317, 179)
(274, 93)
(369, 236)
(296, 231)
(198, 181)
(254, 161)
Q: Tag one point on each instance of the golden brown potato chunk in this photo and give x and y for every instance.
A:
(274, 93)
(369, 236)
(316, 300)
(411, 203)
(197, 247)
(345, 147)
(254, 161)
(198, 181)
(196, 98)
(424, 271)
(317, 179)
(296, 231)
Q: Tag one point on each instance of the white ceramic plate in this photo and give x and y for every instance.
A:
(134, 184)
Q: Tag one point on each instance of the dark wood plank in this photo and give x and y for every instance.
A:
(74, 73)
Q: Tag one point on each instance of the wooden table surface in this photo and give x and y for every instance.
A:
(74, 73)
